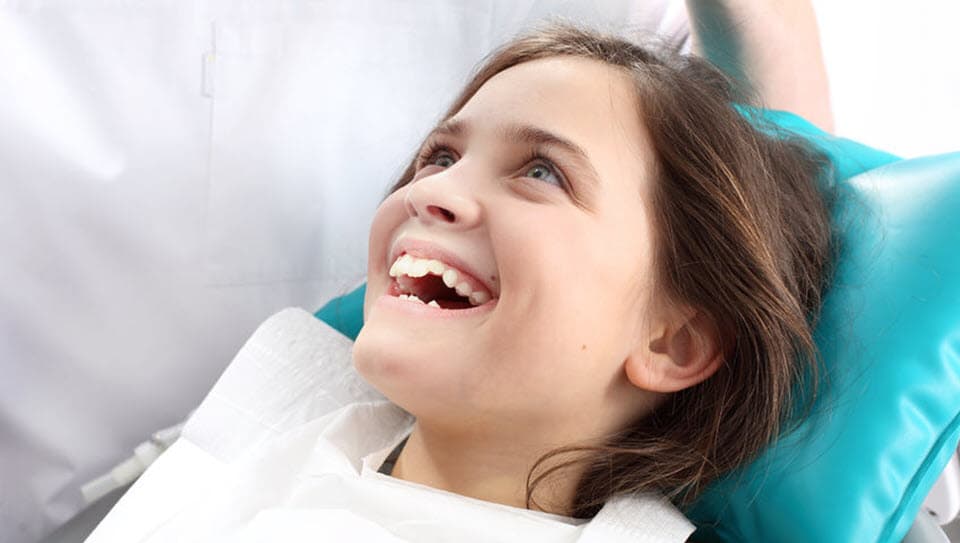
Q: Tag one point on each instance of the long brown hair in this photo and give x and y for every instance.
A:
(741, 233)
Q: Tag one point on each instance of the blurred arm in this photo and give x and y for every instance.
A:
(774, 45)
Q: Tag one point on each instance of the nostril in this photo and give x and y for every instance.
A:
(442, 213)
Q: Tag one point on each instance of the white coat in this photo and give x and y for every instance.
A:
(172, 172)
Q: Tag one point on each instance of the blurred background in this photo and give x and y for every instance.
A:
(894, 77)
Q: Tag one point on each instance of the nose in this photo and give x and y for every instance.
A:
(439, 200)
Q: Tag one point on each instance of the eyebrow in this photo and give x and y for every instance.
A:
(528, 134)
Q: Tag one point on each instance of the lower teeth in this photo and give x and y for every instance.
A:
(414, 298)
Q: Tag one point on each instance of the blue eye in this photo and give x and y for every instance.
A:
(545, 173)
(442, 159)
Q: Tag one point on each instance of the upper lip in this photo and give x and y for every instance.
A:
(427, 249)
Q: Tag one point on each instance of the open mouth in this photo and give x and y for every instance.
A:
(436, 284)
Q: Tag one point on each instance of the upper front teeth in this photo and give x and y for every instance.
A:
(412, 266)
(450, 277)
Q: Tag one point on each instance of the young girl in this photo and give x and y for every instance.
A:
(591, 293)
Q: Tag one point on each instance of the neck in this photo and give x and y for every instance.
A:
(485, 467)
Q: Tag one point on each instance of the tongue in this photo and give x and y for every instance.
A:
(454, 304)
(431, 287)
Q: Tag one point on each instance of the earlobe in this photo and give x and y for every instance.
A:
(677, 357)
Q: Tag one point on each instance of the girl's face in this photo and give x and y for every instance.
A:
(534, 194)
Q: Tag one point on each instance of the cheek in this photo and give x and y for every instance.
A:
(555, 312)
(388, 217)
(582, 291)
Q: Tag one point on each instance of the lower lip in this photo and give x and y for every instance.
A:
(423, 310)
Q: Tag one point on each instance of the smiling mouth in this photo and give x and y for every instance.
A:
(436, 284)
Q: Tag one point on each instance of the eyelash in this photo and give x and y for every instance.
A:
(431, 149)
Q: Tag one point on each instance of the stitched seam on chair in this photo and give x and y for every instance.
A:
(949, 433)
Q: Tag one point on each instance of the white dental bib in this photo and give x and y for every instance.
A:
(287, 445)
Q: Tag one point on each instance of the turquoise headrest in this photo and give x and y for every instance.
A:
(887, 417)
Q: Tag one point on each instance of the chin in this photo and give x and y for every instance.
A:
(382, 357)
(373, 358)
(407, 371)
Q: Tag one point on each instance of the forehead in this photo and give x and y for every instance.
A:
(587, 102)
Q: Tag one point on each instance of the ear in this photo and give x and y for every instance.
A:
(681, 352)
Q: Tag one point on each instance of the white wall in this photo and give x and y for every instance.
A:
(894, 72)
